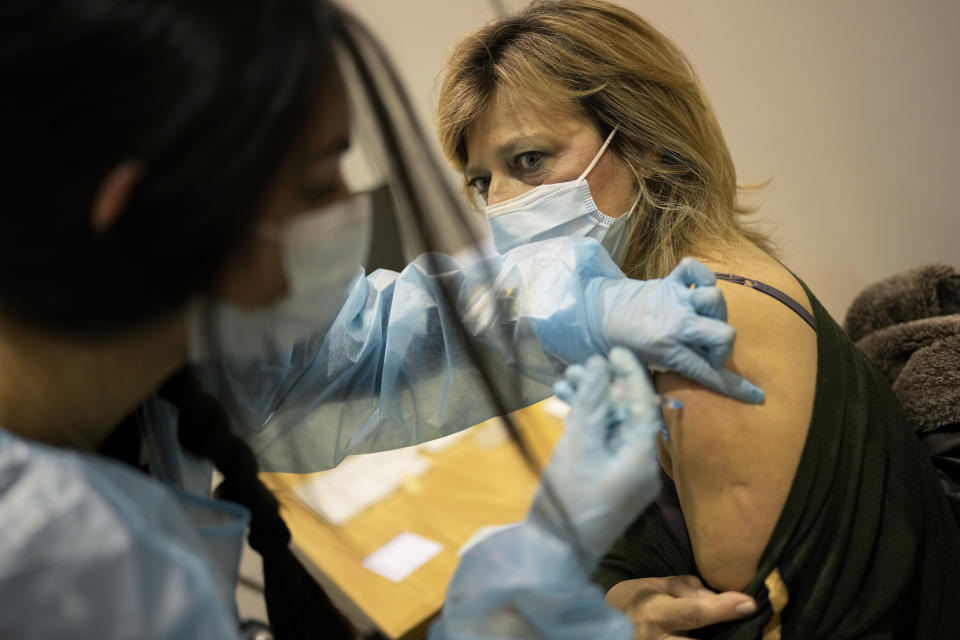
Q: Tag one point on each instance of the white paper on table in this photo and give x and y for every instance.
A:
(490, 434)
(337, 495)
(556, 407)
(403, 555)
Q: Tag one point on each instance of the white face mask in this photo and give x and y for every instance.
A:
(323, 253)
(556, 210)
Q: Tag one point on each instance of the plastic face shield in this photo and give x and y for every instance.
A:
(400, 206)
(271, 366)
(409, 356)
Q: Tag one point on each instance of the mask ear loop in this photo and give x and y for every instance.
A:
(633, 207)
(599, 155)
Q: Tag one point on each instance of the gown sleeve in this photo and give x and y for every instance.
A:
(394, 370)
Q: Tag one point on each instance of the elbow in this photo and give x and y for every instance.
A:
(729, 542)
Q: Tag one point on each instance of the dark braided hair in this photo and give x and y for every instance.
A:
(296, 605)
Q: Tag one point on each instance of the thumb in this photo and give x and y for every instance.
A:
(685, 614)
(689, 272)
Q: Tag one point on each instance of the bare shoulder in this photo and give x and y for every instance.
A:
(734, 463)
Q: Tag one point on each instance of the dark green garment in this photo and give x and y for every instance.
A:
(867, 544)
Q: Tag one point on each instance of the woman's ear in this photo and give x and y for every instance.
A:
(112, 196)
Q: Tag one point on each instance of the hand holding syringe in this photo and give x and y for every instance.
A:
(621, 396)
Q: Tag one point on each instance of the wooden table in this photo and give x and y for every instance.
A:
(472, 483)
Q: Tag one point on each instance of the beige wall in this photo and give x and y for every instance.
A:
(850, 107)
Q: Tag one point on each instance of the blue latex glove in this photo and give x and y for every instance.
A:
(604, 470)
(522, 582)
(532, 580)
(671, 326)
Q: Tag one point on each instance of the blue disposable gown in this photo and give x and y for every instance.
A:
(90, 548)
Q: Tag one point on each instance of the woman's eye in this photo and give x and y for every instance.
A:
(528, 160)
(479, 185)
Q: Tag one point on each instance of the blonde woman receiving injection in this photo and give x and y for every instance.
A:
(579, 118)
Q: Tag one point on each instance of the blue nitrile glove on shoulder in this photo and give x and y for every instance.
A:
(671, 326)
(532, 580)
(677, 323)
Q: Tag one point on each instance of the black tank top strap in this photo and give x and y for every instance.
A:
(773, 292)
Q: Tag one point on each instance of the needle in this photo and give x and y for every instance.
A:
(669, 403)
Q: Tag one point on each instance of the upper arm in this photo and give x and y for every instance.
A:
(733, 463)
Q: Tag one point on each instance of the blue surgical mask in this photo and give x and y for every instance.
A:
(555, 210)
(323, 253)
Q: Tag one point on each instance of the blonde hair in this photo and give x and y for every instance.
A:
(614, 68)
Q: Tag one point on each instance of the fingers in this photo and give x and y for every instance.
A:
(627, 592)
(709, 302)
(592, 383)
(625, 364)
(634, 439)
(575, 373)
(635, 379)
(691, 365)
(639, 404)
(694, 612)
(733, 386)
(714, 338)
(661, 607)
(689, 271)
(564, 390)
(725, 382)
(685, 586)
(587, 421)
